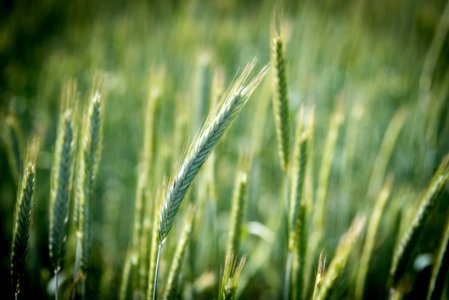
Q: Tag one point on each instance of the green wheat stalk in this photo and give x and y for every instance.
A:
(319, 275)
(405, 247)
(230, 278)
(89, 159)
(298, 207)
(440, 270)
(60, 192)
(203, 144)
(175, 268)
(154, 246)
(214, 127)
(23, 218)
(280, 98)
(370, 239)
(386, 149)
(13, 140)
(326, 164)
(238, 207)
(338, 263)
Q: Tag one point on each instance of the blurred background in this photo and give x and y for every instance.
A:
(382, 59)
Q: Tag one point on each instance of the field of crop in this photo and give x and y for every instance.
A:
(224, 149)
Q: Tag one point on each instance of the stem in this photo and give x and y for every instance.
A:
(16, 295)
(83, 289)
(57, 284)
(159, 250)
(288, 271)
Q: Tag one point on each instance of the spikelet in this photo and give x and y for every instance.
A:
(280, 98)
(23, 218)
(88, 162)
(61, 180)
(214, 127)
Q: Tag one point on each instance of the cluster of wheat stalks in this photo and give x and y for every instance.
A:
(302, 225)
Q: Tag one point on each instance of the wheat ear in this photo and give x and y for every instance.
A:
(430, 197)
(89, 159)
(214, 127)
(238, 207)
(23, 217)
(280, 98)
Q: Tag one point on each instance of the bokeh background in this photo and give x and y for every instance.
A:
(382, 59)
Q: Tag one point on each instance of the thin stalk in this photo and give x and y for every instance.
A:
(159, 250)
(57, 285)
(287, 279)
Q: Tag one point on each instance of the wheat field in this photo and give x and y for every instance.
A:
(224, 149)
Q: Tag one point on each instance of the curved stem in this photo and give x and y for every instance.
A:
(159, 250)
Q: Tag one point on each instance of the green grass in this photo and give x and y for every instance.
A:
(364, 84)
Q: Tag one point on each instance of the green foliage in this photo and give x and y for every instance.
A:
(22, 220)
(365, 82)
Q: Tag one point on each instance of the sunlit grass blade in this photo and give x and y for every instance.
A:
(368, 247)
(319, 275)
(325, 169)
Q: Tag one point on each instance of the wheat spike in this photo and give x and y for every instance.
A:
(280, 99)
(408, 242)
(23, 218)
(238, 207)
(203, 144)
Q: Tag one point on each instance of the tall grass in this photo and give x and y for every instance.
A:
(365, 84)
(23, 219)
